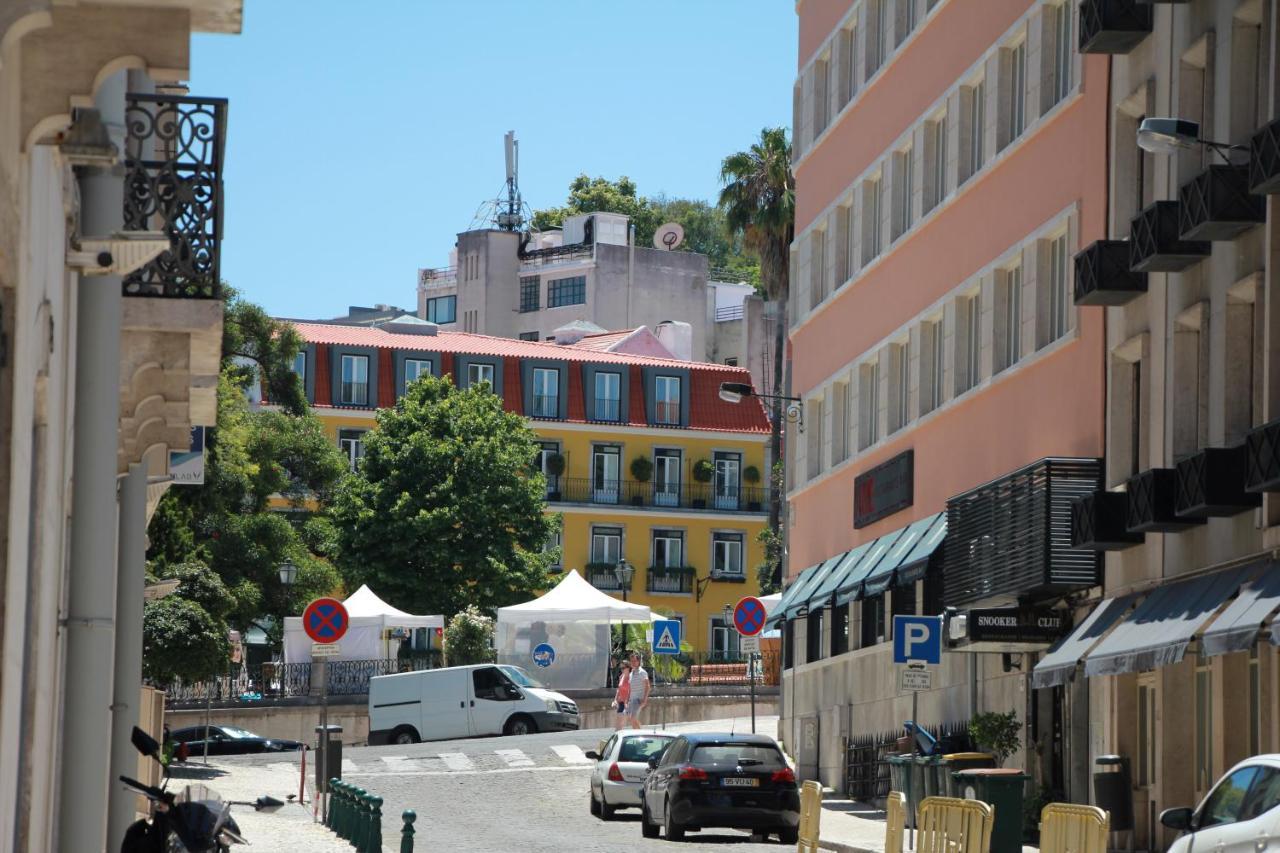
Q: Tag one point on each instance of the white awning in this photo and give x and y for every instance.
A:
(573, 600)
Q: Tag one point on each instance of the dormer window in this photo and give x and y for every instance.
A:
(608, 399)
(666, 395)
(477, 373)
(414, 368)
(355, 380)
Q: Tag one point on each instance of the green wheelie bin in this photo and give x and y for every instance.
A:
(957, 761)
(904, 776)
(1002, 790)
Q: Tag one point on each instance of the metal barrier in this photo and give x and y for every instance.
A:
(1069, 828)
(810, 817)
(895, 821)
(949, 825)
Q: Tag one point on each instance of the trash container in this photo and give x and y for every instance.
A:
(1113, 791)
(904, 777)
(930, 768)
(332, 765)
(957, 761)
(1002, 790)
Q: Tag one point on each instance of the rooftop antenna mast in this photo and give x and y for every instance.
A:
(511, 218)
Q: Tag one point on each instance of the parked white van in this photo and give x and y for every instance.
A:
(464, 701)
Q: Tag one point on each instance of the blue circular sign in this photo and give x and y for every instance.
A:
(544, 655)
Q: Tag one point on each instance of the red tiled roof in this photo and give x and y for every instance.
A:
(603, 340)
(577, 404)
(323, 391)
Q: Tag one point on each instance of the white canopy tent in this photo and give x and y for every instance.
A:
(368, 633)
(568, 628)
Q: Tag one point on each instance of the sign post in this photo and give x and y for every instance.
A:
(748, 618)
(325, 621)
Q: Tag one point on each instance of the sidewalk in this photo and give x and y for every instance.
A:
(850, 826)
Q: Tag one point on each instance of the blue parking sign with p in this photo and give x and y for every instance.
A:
(917, 638)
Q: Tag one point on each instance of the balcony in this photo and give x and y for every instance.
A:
(1098, 522)
(1217, 204)
(440, 277)
(1155, 242)
(601, 575)
(697, 497)
(1262, 458)
(1113, 26)
(1264, 160)
(173, 184)
(539, 258)
(670, 580)
(1010, 539)
(1211, 484)
(606, 410)
(1153, 502)
(1103, 276)
(546, 406)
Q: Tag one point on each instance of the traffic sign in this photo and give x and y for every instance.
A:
(748, 616)
(749, 645)
(325, 620)
(917, 638)
(916, 678)
(544, 655)
(666, 637)
(325, 650)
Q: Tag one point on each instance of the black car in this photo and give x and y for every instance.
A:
(229, 740)
(721, 780)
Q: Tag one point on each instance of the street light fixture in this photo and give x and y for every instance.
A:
(736, 392)
(288, 573)
(623, 572)
(1171, 135)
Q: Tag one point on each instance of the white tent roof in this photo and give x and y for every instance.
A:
(770, 601)
(364, 602)
(369, 616)
(573, 600)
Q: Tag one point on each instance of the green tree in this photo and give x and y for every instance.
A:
(446, 509)
(468, 638)
(181, 640)
(592, 195)
(759, 201)
(250, 333)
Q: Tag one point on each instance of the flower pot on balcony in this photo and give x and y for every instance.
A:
(753, 506)
(637, 500)
(699, 503)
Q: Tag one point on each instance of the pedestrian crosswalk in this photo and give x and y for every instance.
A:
(548, 758)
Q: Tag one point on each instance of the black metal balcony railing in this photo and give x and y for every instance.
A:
(1152, 503)
(1262, 458)
(603, 576)
(714, 497)
(173, 163)
(1264, 160)
(1098, 522)
(546, 406)
(1211, 484)
(666, 413)
(571, 252)
(1113, 26)
(1217, 204)
(670, 580)
(604, 409)
(1103, 276)
(1156, 244)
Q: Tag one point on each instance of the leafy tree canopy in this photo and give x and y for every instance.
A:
(468, 638)
(250, 334)
(181, 640)
(446, 509)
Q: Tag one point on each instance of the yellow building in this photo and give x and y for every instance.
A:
(643, 459)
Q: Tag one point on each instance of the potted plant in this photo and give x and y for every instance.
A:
(996, 733)
(555, 467)
(641, 472)
(751, 476)
(703, 471)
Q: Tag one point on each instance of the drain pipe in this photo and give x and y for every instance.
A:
(91, 582)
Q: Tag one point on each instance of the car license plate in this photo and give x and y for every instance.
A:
(734, 782)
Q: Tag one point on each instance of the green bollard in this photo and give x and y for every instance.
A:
(344, 824)
(358, 830)
(329, 812)
(375, 825)
(406, 834)
(335, 808)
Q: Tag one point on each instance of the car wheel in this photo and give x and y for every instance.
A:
(789, 835)
(606, 811)
(404, 735)
(648, 828)
(675, 832)
(595, 804)
(520, 724)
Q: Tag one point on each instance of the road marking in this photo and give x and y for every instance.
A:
(578, 767)
(348, 766)
(456, 761)
(514, 757)
(397, 762)
(571, 754)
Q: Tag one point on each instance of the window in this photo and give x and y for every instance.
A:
(1263, 796)
(788, 643)
(875, 47)
(300, 365)
(355, 380)
(813, 452)
(872, 621)
(969, 343)
(414, 368)
(839, 422)
(1255, 703)
(937, 173)
(666, 477)
(1204, 731)
(489, 683)
(851, 242)
(1060, 18)
(666, 407)
(904, 192)
(870, 220)
(529, 336)
(932, 370)
(903, 601)
(724, 639)
(732, 361)
(606, 473)
(554, 546)
(1146, 768)
(1017, 91)
(1059, 293)
(442, 309)
(546, 450)
(868, 403)
(668, 549)
(567, 291)
(606, 544)
(1135, 417)
(813, 635)
(530, 289)
(726, 554)
(1010, 311)
(477, 373)
(906, 19)
(608, 401)
(901, 361)
(817, 267)
(1223, 805)
(820, 76)
(839, 630)
(546, 393)
(977, 126)
(847, 69)
(351, 443)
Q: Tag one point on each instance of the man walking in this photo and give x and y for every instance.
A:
(638, 695)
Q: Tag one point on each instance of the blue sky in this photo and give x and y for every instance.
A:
(360, 143)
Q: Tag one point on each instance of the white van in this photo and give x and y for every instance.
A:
(464, 701)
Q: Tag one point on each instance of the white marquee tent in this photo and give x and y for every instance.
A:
(367, 636)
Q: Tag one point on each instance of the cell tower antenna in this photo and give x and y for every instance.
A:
(511, 218)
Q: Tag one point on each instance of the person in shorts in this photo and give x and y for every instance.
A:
(623, 693)
(638, 691)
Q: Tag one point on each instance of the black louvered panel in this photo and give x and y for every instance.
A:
(1098, 522)
(1103, 276)
(1211, 483)
(1155, 243)
(1113, 26)
(1262, 458)
(1217, 205)
(1011, 538)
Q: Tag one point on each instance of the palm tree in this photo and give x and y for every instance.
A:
(759, 201)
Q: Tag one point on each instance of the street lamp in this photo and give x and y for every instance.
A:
(736, 392)
(288, 573)
(1171, 135)
(623, 572)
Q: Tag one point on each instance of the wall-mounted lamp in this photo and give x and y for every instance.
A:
(736, 392)
(1171, 135)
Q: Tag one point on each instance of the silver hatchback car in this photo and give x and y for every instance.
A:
(621, 765)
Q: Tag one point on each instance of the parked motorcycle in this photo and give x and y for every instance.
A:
(195, 821)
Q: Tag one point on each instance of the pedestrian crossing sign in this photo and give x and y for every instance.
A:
(666, 637)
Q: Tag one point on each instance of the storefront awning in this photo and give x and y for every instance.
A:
(889, 571)
(1158, 632)
(778, 612)
(1236, 628)
(825, 592)
(801, 601)
(1059, 663)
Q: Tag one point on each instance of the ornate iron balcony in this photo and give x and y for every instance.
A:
(1211, 483)
(1152, 502)
(1217, 205)
(173, 162)
(1113, 26)
(604, 577)
(1262, 458)
(699, 497)
(1103, 276)
(1264, 160)
(1098, 522)
(1155, 244)
(671, 580)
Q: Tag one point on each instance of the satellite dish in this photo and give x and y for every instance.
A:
(668, 236)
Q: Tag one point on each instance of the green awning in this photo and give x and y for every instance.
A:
(824, 593)
(850, 588)
(907, 550)
(789, 595)
(816, 576)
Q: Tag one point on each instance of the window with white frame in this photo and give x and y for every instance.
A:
(870, 219)
(817, 266)
(606, 544)
(840, 248)
(546, 392)
(555, 545)
(666, 407)
(1017, 91)
(351, 443)
(820, 78)
(813, 452)
(668, 549)
(1059, 18)
(300, 365)
(608, 396)
(975, 127)
(874, 53)
(904, 191)
(906, 10)
(969, 341)
(1009, 329)
(932, 366)
(415, 368)
(726, 554)
(839, 422)
(936, 162)
(846, 67)
(869, 403)
(355, 380)
(900, 386)
(477, 373)
(1060, 300)
(724, 639)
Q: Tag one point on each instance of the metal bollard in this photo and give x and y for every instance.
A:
(362, 820)
(375, 826)
(338, 808)
(406, 834)
(330, 813)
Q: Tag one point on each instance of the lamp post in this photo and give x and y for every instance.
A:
(288, 573)
(623, 572)
(1170, 135)
(726, 614)
(736, 392)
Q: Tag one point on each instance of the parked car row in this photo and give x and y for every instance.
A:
(687, 783)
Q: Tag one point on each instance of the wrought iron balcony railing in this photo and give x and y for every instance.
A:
(603, 576)
(713, 497)
(1098, 522)
(1262, 458)
(1103, 276)
(670, 580)
(1155, 242)
(546, 406)
(1217, 204)
(173, 162)
(1113, 26)
(606, 410)
(1211, 484)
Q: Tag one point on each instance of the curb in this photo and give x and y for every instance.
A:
(841, 847)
